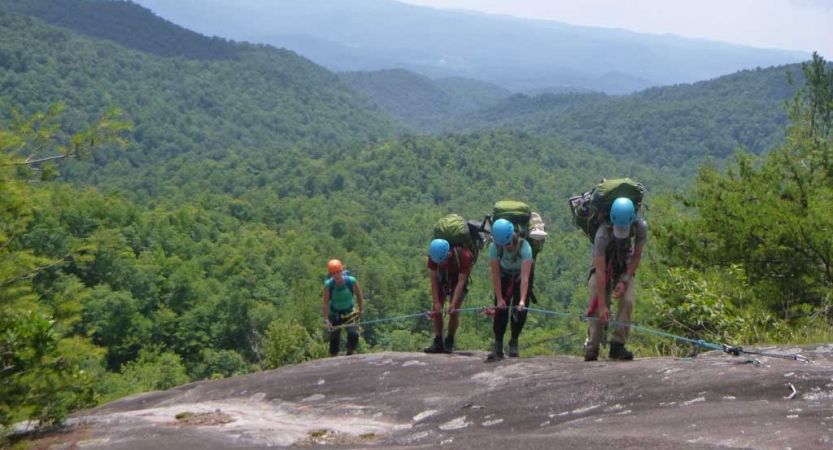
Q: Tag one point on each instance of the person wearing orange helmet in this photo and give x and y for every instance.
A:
(341, 294)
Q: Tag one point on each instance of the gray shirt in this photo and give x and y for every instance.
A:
(606, 245)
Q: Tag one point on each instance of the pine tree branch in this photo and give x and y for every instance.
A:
(29, 161)
(32, 273)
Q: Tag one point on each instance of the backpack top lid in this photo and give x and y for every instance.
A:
(452, 228)
(459, 232)
(607, 191)
(519, 213)
(592, 208)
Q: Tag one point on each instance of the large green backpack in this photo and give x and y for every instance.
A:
(461, 234)
(590, 209)
(528, 224)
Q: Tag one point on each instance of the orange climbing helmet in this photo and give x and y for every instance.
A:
(334, 266)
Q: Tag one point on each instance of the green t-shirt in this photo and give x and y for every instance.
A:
(342, 297)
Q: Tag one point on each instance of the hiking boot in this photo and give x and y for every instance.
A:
(496, 353)
(449, 344)
(591, 355)
(436, 347)
(618, 351)
(513, 348)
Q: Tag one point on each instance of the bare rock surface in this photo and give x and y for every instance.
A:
(416, 401)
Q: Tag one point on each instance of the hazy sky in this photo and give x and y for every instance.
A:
(805, 25)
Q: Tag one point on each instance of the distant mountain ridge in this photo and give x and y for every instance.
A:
(128, 25)
(517, 54)
(666, 126)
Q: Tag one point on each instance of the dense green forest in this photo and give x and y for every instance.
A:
(669, 127)
(184, 235)
(421, 102)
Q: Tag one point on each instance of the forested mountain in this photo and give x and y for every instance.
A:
(127, 24)
(192, 237)
(420, 101)
(261, 98)
(673, 126)
(517, 54)
(670, 126)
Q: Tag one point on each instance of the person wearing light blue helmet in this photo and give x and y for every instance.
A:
(438, 250)
(502, 232)
(617, 252)
(449, 269)
(510, 260)
(622, 214)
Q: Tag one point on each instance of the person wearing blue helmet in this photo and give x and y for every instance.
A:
(617, 251)
(510, 260)
(449, 269)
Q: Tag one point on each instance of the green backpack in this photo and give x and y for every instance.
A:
(461, 233)
(529, 224)
(590, 209)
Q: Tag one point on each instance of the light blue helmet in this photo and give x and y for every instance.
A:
(502, 231)
(622, 212)
(438, 250)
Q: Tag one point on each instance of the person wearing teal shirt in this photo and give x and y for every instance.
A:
(339, 311)
(510, 259)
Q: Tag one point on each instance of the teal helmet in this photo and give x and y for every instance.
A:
(502, 232)
(438, 250)
(622, 212)
(622, 215)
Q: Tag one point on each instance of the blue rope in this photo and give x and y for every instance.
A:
(699, 342)
(408, 316)
(369, 322)
(633, 327)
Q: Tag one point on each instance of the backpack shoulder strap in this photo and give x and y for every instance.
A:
(332, 285)
(518, 242)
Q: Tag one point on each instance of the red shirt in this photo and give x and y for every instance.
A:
(451, 265)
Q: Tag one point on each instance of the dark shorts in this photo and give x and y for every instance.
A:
(336, 318)
(447, 290)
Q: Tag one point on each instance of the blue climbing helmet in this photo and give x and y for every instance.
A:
(622, 215)
(502, 232)
(438, 250)
(622, 212)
